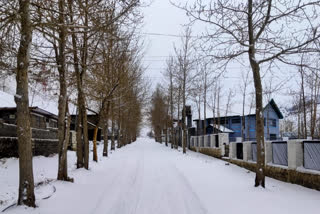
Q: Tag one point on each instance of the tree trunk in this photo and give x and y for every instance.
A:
(95, 155)
(105, 129)
(80, 92)
(26, 182)
(205, 104)
(179, 130)
(171, 111)
(184, 139)
(79, 120)
(63, 133)
(260, 167)
(113, 146)
(80, 162)
(63, 158)
(105, 139)
(243, 117)
(304, 107)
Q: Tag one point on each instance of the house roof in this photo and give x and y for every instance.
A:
(271, 102)
(275, 108)
(43, 112)
(48, 105)
(33, 109)
(218, 117)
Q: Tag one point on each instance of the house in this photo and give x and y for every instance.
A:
(43, 125)
(39, 118)
(233, 124)
(92, 120)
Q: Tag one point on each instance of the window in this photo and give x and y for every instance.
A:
(273, 136)
(236, 120)
(12, 116)
(271, 122)
(38, 122)
(223, 121)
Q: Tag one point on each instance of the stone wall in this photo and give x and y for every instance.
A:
(213, 152)
(45, 147)
(44, 141)
(303, 178)
(10, 130)
(8, 147)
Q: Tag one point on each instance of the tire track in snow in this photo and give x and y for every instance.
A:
(122, 198)
(193, 196)
(115, 172)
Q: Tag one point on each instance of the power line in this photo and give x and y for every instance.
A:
(170, 35)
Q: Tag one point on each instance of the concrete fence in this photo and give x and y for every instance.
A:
(213, 145)
(294, 161)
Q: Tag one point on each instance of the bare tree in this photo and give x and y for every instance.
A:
(26, 181)
(252, 28)
(185, 63)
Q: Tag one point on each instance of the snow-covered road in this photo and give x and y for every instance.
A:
(147, 178)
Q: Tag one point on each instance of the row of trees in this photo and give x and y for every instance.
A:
(260, 34)
(89, 55)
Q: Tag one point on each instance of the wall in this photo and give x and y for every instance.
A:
(45, 147)
(293, 173)
(44, 142)
(37, 121)
(10, 130)
(306, 179)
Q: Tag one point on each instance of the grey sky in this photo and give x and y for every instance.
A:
(163, 18)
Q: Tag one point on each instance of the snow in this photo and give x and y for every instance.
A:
(50, 105)
(222, 128)
(7, 100)
(147, 177)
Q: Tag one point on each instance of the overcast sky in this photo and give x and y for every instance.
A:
(161, 17)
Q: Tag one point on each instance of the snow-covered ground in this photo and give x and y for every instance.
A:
(146, 177)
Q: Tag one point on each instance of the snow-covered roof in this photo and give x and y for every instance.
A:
(222, 128)
(49, 105)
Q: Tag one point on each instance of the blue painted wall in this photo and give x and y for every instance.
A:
(250, 125)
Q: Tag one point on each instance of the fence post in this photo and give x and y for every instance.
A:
(205, 140)
(268, 152)
(233, 150)
(295, 154)
(247, 151)
(211, 141)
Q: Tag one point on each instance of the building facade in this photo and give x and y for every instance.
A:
(39, 118)
(233, 124)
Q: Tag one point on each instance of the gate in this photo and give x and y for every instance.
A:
(217, 140)
(311, 154)
(226, 147)
(239, 151)
(280, 153)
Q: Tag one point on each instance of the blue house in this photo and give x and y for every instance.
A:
(233, 124)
